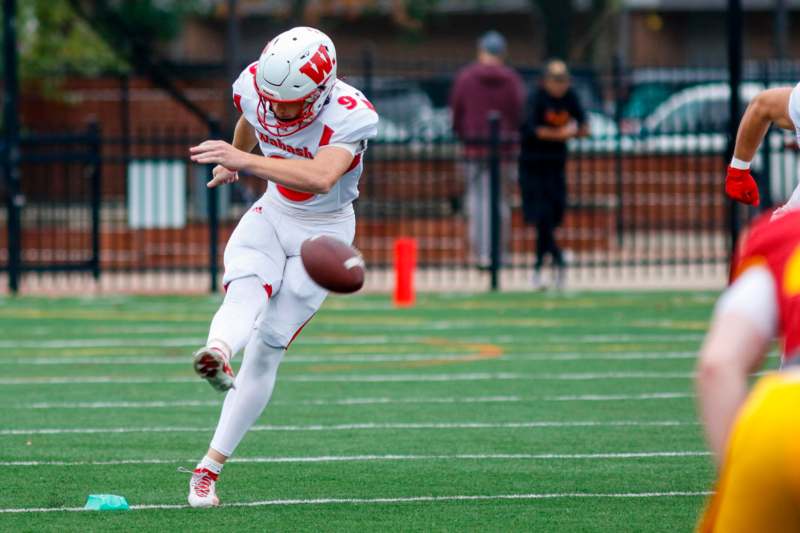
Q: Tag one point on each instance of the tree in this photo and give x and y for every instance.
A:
(53, 41)
(557, 22)
(134, 29)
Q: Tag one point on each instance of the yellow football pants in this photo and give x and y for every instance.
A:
(759, 484)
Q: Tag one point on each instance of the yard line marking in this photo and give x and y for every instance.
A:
(364, 358)
(100, 343)
(595, 356)
(119, 405)
(361, 426)
(368, 378)
(360, 401)
(106, 342)
(217, 403)
(85, 380)
(370, 458)
(402, 499)
(613, 397)
(485, 376)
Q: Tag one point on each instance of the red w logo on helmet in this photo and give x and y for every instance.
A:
(318, 66)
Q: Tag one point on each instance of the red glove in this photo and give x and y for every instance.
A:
(740, 186)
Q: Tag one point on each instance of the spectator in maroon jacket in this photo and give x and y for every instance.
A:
(483, 87)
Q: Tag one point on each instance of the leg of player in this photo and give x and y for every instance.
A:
(243, 405)
(230, 330)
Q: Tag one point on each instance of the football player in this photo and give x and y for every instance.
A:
(780, 106)
(755, 438)
(312, 130)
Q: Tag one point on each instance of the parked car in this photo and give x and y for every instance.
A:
(700, 109)
(694, 123)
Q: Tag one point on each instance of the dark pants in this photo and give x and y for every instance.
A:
(543, 187)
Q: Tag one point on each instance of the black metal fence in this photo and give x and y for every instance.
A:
(645, 191)
(58, 206)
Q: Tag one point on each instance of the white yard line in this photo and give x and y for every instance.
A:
(369, 378)
(364, 358)
(406, 499)
(113, 342)
(485, 376)
(360, 427)
(359, 401)
(390, 457)
(86, 380)
(119, 405)
(619, 397)
(217, 403)
(101, 342)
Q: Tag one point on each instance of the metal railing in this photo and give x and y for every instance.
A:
(645, 193)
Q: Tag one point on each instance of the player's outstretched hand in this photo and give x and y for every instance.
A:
(222, 176)
(219, 152)
(740, 186)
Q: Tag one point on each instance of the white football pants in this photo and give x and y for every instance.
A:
(266, 246)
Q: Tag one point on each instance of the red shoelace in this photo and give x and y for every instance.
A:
(202, 481)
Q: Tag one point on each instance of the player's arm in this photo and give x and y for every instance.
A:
(736, 345)
(558, 134)
(244, 135)
(564, 133)
(768, 107)
(244, 139)
(316, 176)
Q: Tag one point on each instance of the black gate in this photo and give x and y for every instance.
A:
(58, 206)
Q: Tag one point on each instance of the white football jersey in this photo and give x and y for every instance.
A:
(347, 118)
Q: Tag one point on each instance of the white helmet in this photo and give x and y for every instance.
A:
(298, 65)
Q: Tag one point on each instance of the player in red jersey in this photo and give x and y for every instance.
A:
(755, 438)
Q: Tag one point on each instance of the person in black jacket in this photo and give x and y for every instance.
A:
(554, 115)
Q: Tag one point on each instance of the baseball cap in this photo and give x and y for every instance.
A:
(492, 42)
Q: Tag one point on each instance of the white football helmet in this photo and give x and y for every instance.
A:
(298, 65)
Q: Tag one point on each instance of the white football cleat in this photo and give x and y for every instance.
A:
(212, 365)
(536, 281)
(202, 488)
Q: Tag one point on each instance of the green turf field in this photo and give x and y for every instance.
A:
(521, 412)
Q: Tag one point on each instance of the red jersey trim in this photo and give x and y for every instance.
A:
(296, 333)
(354, 164)
(327, 133)
(293, 195)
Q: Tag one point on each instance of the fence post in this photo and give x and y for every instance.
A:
(734, 81)
(95, 177)
(618, 105)
(494, 197)
(125, 118)
(367, 63)
(213, 218)
(10, 152)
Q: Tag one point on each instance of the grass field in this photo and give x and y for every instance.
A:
(485, 413)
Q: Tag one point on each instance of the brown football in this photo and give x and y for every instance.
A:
(333, 264)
